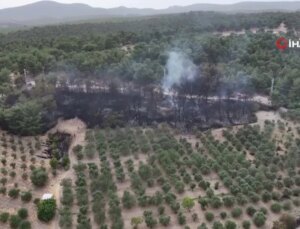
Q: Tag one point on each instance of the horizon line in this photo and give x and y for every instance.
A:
(172, 6)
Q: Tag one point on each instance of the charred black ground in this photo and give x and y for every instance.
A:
(113, 108)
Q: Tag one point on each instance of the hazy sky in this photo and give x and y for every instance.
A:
(129, 3)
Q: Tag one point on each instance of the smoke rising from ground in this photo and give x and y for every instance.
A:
(179, 68)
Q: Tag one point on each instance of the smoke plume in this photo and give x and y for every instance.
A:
(179, 68)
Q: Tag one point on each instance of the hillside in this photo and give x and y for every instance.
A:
(48, 12)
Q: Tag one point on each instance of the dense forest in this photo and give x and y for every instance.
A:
(137, 52)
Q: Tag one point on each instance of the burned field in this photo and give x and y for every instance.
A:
(57, 145)
(116, 108)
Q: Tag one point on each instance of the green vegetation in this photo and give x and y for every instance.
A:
(249, 171)
(23, 213)
(26, 196)
(4, 217)
(128, 51)
(46, 210)
(14, 221)
(188, 203)
(39, 177)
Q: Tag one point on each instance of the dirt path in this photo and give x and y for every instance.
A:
(77, 129)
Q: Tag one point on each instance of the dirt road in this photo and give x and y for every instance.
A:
(77, 129)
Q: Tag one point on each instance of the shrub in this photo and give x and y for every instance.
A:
(236, 212)
(266, 197)
(36, 201)
(179, 186)
(65, 219)
(54, 163)
(25, 225)
(259, 219)
(26, 196)
(67, 197)
(175, 206)
(14, 221)
(230, 225)
(202, 226)
(195, 217)
(46, 210)
(228, 201)
(203, 202)
(14, 193)
(188, 203)
(181, 218)
(78, 151)
(164, 220)
(288, 182)
(23, 213)
(4, 216)
(264, 210)
(218, 225)
(250, 211)
(287, 205)
(161, 210)
(135, 221)
(246, 224)
(241, 199)
(128, 200)
(216, 202)
(276, 195)
(254, 197)
(209, 216)
(223, 215)
(149, 220)
(39, 177)
(276, 207)
(296, 202)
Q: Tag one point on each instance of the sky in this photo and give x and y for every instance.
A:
(157, 4)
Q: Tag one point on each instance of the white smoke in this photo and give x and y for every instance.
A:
(179, 68)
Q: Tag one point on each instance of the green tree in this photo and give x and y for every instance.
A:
(14, 193)
(209, 216)
(228, 201)
(136, 221)
(128, 200)
(24, 118)
(23, 213)
(4, 76)
(236, 212)
(164, 220)
(39, 177)
(276, 207)
(26, 196)
(46, 210)
(188, 203)
(181, 218)
(54, 163)
(230, 225)
(246, 224)
(14, 221)
(25, 225)
(4, 216)
(259, 219)
(218, 225)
